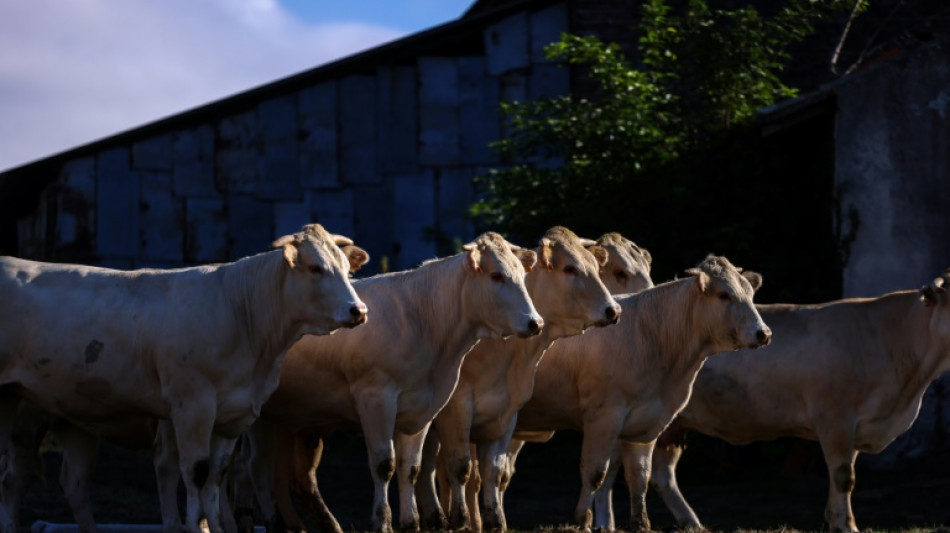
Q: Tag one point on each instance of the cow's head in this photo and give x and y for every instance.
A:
(493, 294)
(937, 299)
(317, 290)
(566, 286)
(628, 266)
(725, 305)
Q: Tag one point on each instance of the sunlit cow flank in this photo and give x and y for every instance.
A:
(498, 377)
(628, 381)
(850, 374)
(393, 375)
(200, 346)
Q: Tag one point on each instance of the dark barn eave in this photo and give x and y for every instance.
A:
(21, 186)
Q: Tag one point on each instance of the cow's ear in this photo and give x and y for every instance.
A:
(288, 243)
(754, 279)
(356, 255)
(702, 279)
(340, 240)
(547, 251)
(928, 293)
(472, 257)
(600, 254)
(646, 254)
(527, 257)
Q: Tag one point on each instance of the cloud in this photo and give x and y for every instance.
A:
(73, 71)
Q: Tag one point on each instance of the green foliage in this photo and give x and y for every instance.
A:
(663, 148)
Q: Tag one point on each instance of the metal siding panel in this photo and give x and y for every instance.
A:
(506, 44)
(249, 226)
(279, 164)
(546, 27)
(398, 129)
(162, 220)
(414, 223)
(319, 145)
(117, 206)
(438, 111)
(193, 168)
(334, 210)
(238, 152)
(374, 227)
(75, 221)
(153, 154)
(547, 81)
(289, 217)
(479, 118)
(207, 230)
(358, 130)
(456, 194)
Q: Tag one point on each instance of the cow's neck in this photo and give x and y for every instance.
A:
(256, 286)
(917, 354)
(674, 346)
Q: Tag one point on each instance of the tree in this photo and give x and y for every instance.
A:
(663, 147)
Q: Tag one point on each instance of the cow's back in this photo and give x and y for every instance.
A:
(825, 361)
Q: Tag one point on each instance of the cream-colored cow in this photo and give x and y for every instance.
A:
(395, 373)
(201, 347)
(497, 378)
(850, 374)
(629, 381)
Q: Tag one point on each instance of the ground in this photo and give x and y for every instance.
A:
(763, 487)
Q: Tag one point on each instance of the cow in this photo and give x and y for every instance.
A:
(629, 381)
(392, 376)
(497, 377)
(850, 374)
(200, 347)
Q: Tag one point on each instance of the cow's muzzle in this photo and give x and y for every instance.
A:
(358, 314)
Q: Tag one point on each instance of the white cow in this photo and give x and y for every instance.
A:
(629, 381)
(850, 374)
(200, 346)
(393, 375)
(497, 377)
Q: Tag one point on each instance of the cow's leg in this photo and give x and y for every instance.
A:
(240, 485)
(455, 455)
(167, 475)
(637, 460)
(408, 465)
(79, 457)
(213, 500)
(514, 448)
(665, 458)
(308, 452)
(192, 416)
(839, 455)
(493, 465)
(281, 479)
(600, 436)
(429, 504)
(472, 490)
(377, 410)
(9, 401)
(604, 497)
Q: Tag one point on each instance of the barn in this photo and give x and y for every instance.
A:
(383, 147)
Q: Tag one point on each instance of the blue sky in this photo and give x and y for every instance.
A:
(74, 71)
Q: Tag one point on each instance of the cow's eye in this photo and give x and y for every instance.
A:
(570, 269)
(621, 275)
(497, 277)
(724, 296)
(316, 269)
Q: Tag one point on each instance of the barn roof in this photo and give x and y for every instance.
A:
(458, 37)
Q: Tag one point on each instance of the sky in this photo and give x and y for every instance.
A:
(74, 71)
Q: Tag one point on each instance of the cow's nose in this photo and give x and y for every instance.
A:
(535, 325)
(612, 312)
(358, 311)
(764, 336)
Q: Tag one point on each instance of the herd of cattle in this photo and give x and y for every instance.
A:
(233, 374)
